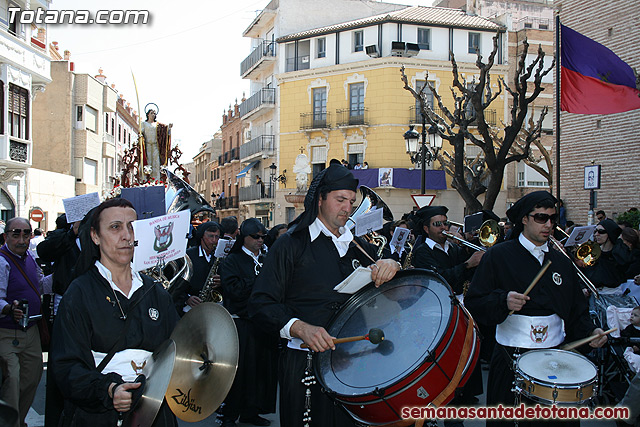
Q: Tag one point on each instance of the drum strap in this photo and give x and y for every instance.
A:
(457, 376)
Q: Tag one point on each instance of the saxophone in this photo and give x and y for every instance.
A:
(211, 292)
(407, 260)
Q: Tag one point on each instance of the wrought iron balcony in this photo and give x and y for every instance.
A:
(227, 203)
(265, 50)
(353, 117)
(263, 144)
(266, 96)
(415, 117)
(256, 192)
(315, 120)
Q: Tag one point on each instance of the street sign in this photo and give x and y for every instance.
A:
(422, 200)
(36, 215)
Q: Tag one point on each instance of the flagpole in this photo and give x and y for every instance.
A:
(558, 79)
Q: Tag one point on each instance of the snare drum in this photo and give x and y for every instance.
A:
(430, 348)
(555, 376)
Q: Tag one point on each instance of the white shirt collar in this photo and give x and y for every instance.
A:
(433, 244)
(136, 282)
(251, 254)
(341, 243)
(536, 251)
(204, 254)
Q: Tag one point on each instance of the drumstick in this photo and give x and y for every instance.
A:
(375, 336)
(363, 251)
(535, 280)
(584, 341)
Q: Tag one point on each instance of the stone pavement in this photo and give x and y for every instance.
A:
(36, 414)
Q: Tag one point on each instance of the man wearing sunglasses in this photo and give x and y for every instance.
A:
(255, 384)
(555, 310)
(20, 280)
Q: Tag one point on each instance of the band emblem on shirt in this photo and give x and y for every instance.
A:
(539, 333)
(154, 313)
(138, 368)
(355, 264)
(557, 278)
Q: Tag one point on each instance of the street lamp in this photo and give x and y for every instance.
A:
(272, 179)
(425, 154)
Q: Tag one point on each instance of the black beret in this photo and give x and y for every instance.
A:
(527, 204)
(427, 212)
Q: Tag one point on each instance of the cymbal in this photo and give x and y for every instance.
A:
(206, 362)
(157, 371)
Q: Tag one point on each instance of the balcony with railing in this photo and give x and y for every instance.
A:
(315, 120)
(490, 117)
(263, 98)
(263, 144)
(256, 193)
(234, 154)
(263, 54)
(415, 117)
(227, 203)
(353, 117)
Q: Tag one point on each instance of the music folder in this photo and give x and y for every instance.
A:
(360, 277)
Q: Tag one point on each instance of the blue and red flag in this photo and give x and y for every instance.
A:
(594, 79)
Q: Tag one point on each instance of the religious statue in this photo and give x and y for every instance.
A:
(301, 168)
(155, 144)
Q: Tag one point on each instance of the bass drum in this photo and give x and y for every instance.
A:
(430, 348)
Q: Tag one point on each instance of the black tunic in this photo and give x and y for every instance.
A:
(89, 319)
(297, 280)
(255, 384)
(510, 267)
(183, 289)
(449, 265)
(608, 271)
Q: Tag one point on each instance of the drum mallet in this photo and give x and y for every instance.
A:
(375, 336)
(535, 280)
(584, 341)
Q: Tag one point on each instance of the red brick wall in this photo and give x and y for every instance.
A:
(613, 141)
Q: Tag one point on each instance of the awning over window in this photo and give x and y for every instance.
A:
(244, 171)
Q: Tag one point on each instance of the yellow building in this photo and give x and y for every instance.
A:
(341, 96)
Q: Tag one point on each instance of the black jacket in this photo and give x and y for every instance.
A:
(61, 249)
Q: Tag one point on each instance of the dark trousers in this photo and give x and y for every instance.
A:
(324, 411)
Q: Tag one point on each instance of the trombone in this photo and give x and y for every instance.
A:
(489, 233)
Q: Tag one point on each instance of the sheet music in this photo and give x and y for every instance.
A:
(360, 277)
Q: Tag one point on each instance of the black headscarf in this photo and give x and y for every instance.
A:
(249, 226)
(612, 229)
(331, 179)
(526, 204)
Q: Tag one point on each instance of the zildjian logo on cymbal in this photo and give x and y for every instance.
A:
(186, 401)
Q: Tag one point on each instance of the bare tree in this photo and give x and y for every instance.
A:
(484, 173)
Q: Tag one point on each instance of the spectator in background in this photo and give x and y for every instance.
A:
(365, 165)
(229, 227)
(631, 240)
(357, 166)
(38, 236)
(20, 350)
(562, 214)
(273, 234)
(600, 216)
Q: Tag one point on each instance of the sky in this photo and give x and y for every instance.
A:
(185, 59)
